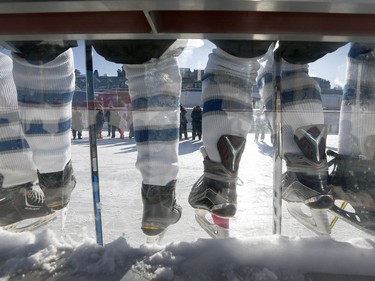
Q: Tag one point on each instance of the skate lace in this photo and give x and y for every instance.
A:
(35, 197)
(236, 180)
(355, 173)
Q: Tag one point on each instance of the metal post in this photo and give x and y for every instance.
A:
(93, 145)
(277, 146)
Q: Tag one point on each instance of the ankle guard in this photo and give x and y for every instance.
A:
(230, 150)
(306, 177)
(215, 190)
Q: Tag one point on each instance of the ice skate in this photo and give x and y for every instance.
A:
(305, 182)
(139, 51)
(160, 209)
(23, 208)
(41, 51)
(353, 181)
(58, 186)
(215, 191)
(215, 226)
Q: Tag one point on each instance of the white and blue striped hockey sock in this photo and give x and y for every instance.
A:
(227, 101)
(16, 164)
(301, 100)
(155, 89)
(45, 94)
(357, 114)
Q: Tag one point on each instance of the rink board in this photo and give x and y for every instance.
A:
(335, 20)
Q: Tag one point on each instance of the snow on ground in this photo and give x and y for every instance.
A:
(187, 252)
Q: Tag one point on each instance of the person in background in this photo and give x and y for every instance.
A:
(77, 123)
(114, 122)
(196, 122)
(183, 123)
(99, 120)
(107, 117)
(260, 125)
(129, 123)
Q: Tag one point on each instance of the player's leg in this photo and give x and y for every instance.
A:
(227, 113)
(154, 87)
(45, 82)
(20, 198)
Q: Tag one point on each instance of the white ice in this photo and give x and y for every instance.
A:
(187, 252)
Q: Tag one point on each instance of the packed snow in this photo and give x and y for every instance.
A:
(186, 251)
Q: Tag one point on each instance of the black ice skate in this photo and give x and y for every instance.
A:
(23, 208)
(305, 182)
(160, 209)
(353, 181)
(40, 52)
(215, 191)
(138, 51)
(58, 186)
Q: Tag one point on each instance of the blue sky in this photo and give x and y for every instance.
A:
(331, 67)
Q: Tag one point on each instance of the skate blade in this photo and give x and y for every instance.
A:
(175, 49)
(317, 221)
(30, 224)
(64, 215)
(155, 239)
(217, 228)
(363, 224)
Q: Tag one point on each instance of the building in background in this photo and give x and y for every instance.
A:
(112, 91)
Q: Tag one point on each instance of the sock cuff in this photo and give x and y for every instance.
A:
(153, 78)
(8, 93)
(360, 71)
(220, 61)
(55, 76)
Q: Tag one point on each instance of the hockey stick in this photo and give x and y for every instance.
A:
(336, 218)
(93, 145)
(277, 147)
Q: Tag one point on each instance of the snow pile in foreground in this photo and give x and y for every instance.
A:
(261, 258)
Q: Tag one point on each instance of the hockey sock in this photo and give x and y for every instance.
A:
(301, 101)
(227, 102)
(154, 89)
(45, 94)
(16, 165)
(357, 115)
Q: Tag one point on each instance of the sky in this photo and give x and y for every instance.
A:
(332, 67)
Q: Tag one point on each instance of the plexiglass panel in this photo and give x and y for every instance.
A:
(119, 142)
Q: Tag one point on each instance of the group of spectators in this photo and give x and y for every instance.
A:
(116, 120)
(261, 123)
(196, 122)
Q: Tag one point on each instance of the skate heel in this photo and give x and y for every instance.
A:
(226, 210)
(59, 201)
(324, 201)
(220, 221)
(58, 186)
(152, 230)
(160, 209)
